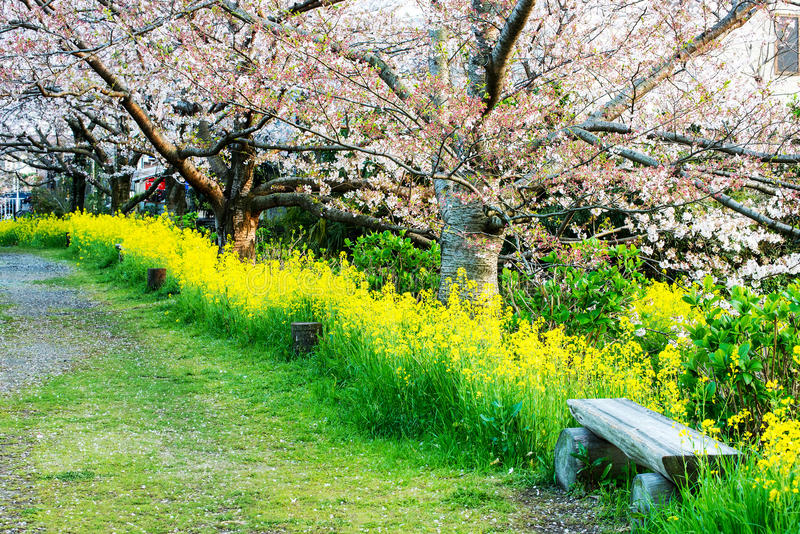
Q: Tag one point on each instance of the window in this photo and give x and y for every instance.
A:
(786, 56)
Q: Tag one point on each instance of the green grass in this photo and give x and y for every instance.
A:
(739, 502)
(170, 429)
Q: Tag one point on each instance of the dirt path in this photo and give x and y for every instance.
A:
(38, 339)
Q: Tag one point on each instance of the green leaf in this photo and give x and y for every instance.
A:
(516, 409)
(744, 348)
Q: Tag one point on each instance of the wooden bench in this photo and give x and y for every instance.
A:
(623, 432)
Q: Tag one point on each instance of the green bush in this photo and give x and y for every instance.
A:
(744, 360)
(389, 258)
(585, 301)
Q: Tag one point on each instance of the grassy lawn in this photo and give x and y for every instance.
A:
(168, 429)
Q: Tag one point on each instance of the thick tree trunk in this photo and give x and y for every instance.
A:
(120, 191)
(471, 243)
(236, 219)
(239, 230)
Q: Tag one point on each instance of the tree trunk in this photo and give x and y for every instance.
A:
(236, 220)
(120, 191)
(175, 197)
(239, 230)
(77, 198)
(471, 243)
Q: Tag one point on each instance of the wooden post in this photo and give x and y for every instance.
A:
(305, 336)
(651, 490)
(570, 441)
(156, 278)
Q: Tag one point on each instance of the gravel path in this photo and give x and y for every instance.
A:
(33, 341)
(44, 330)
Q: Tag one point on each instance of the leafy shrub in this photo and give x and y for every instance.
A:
(294, 228)
(586, 300)
(387, 258)
(746, 358)
(187, 220)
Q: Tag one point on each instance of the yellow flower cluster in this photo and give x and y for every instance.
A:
(780, 443)
(778, 469)
(38, 232)
(461, 354)
(662, 308)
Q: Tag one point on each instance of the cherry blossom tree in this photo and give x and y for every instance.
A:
(75, 139)
(483, 124)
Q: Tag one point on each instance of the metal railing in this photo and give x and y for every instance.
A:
(9, 206)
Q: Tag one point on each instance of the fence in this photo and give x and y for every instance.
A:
(11, 204)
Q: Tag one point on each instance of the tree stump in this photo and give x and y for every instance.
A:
(305, 336)
(567, 466)
(156, 278)
(650, 490)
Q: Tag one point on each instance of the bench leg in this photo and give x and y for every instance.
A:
(650, 490)
(567, 466)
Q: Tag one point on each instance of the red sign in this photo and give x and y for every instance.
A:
(161, 187)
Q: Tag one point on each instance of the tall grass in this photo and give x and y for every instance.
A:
(746, 500)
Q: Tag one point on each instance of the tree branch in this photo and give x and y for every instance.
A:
(740, 13)
(722, 198)
(318, 207)
(497, 69)
(141, 197)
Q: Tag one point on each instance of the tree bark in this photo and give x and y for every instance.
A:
(238, 229)
(175, 197)
(471, 242)
(77, 199)
(237, 216)
(120, 191)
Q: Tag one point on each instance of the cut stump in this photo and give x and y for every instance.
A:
(156, 278)
(305, 336)
(650, 490)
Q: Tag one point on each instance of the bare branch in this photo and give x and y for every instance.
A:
(141, 197)
(318, 206)
(740, 12)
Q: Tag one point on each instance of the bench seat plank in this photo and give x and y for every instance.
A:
(649, 438)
